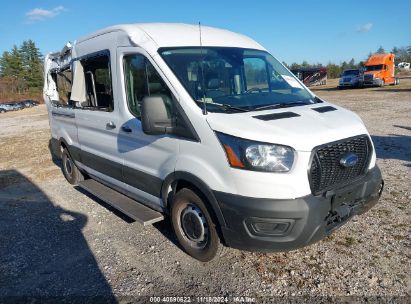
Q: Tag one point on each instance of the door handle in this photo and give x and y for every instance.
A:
(110, 125)
(126, 129)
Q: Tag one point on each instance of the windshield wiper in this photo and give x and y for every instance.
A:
(281, 105)
(225, 106)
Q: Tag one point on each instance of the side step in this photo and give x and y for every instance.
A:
(135, 210)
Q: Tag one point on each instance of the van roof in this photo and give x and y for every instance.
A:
(379, 59)
(177, 35)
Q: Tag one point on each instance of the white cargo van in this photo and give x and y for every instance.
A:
(205, 127)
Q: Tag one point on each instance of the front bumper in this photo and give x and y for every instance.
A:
(373, 82)
(281, 225)
(348, 84)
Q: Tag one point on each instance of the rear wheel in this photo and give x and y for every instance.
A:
(194, 227)
(70, 170)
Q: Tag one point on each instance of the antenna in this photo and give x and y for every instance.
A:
(202, 72)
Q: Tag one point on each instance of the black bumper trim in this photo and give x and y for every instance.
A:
(309, 215)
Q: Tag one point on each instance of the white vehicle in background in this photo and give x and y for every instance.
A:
(404, 65)
(4, 108)
(207, 128)
(11, 106)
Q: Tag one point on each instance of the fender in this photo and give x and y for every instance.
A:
(198, 183)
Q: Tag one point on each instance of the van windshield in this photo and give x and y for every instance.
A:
(235, 79)
(377, 67)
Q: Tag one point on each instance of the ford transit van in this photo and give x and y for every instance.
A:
(204, 126)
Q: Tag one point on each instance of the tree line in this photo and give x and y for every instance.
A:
(21, 71)
(402, 54)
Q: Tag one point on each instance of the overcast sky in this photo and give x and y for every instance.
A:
(316, 31)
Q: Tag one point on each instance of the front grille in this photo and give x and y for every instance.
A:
(326, 172)
(368, 77)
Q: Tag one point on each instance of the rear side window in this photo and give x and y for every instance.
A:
(141, 79)
(63, 82)
(99, 90)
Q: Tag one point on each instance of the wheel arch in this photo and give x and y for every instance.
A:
(72, 150)
(181, 179)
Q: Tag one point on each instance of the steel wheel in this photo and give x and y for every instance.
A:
(194, 226)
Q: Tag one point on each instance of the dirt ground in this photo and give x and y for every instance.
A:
(55, 240)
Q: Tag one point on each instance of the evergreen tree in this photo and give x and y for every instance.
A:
(352, 64)
(21, 69)
(5, 64)
(344, 66)
(31, 59)
(394, 50)
(380, 50)
(11, 64)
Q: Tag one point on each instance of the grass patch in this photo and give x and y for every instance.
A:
(399, 237)
(350, 241)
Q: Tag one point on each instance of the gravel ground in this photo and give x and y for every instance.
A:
(56, 240)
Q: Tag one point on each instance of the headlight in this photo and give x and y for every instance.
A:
(257, 156)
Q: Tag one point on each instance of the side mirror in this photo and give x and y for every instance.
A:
(154, 117)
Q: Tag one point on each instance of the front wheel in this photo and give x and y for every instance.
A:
(194, 227)
(382, 83)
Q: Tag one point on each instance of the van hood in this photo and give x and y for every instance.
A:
(300, 127)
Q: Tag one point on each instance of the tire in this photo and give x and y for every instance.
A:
(70, 170)
(2, 111)
(194, 227)
(382, 83)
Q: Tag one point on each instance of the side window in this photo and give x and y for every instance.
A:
(255, 73)
(99, 90)
(141, 80)
(64, 81)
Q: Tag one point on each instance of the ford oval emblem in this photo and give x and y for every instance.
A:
(349, 160)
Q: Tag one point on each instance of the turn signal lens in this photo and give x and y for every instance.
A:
(232, 158)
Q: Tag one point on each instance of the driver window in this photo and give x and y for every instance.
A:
(255, 74)
(141, 80)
